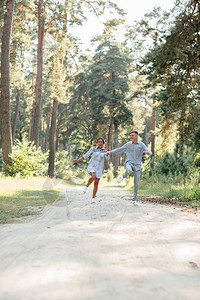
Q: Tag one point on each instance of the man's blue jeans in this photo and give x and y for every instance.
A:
(129, 169)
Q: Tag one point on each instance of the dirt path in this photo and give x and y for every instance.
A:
(109, 251)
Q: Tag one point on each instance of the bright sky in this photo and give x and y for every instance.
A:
(135, 10)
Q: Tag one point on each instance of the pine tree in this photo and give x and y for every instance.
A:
(174, 65)
(153, 26)
(108, 87)
(6, 134)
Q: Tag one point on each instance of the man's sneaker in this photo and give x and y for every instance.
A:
(135, 203)
(93, 200)
(120, 179)
(85, 189)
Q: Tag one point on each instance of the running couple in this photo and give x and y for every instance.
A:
(134, 150)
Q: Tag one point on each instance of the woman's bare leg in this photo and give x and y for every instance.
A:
(91, 179)
(96, 183)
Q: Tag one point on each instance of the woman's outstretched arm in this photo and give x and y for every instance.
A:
(86, 155)
(77, 160)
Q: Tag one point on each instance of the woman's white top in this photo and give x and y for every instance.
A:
(96, 163)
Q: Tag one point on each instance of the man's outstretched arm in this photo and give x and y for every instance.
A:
(146, 150)
(117, 150)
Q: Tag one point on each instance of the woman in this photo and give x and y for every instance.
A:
(96, 165)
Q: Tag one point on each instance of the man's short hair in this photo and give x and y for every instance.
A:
(134, 131)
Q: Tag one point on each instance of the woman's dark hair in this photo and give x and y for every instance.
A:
(100, 138)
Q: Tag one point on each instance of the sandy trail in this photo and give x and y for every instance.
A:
(109, 250)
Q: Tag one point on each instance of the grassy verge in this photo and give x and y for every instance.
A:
(178, 193)
(23, 197)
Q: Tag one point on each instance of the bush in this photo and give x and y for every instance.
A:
(166, 164)
(65, 169)
(197, 160)
(63, 165)
(173, 164)
(26, 160)
(108, 175)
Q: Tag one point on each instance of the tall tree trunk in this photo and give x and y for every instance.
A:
(116, 157)
(146, 123)
(21, 127)
(52, 138)
(181, 136)
(110, 134)
(6, 135)
(16, 115)
(88, 104)
(110, 137)
(57, 133)
(43, 138)
(67, 147)
(40, 130)
(47, 132)
(30, 131)
(153, 127)
(38, 87)
(180, 140)
(146, 132)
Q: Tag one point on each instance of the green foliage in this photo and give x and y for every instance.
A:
(169, 163)
(102, 85)
(166, 164)
(1, 13)
(197, 138)
(108, 84)
(26, 160)
(65, 169)
(109, 174)
(185, 194)
(173, 66)
(197, 159)
(181, 188)
(63, 165)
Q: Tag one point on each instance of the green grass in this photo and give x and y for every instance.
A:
(21, 203)
(189, 195)
(23, 197)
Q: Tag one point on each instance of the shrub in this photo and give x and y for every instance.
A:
(109, 174)
(197, 160)
(63, 165)
(166, 164)
(173, 164)
(65, 169)
(26, 160)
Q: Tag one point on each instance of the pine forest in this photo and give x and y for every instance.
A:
(58, 96)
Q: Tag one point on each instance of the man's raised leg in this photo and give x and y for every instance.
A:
(127, 172)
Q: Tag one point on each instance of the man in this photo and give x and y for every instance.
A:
(134, 151)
